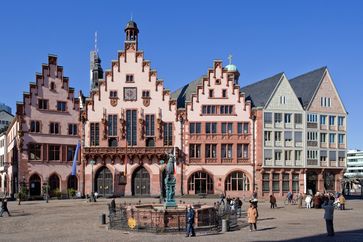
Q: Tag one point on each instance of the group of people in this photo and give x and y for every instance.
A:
(233, 204)
(319, 199)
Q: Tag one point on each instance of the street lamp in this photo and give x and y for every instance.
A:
(92, 162)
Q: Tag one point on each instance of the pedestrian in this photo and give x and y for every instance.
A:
(308, 201)
(272, 201)
(329, 216)
(222, 198)
(4, 207)
(252, 215)
(190, 221)
(289, 197)
(254, 195)
(342, 202)
(239, 207)
(299, 200)
(113, 206)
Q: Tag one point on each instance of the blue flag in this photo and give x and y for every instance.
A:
(74, 165)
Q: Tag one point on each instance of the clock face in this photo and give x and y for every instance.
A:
(130, 94)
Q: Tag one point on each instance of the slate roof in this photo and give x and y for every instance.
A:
(184, 94)
(305, 85)
(260, 92)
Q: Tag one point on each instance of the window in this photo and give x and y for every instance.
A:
(54, 151)
(267, 118)
(282, 100)
(145, 94)
(278, 155)
(34, 126)
(242, 151)
(112, 125)
(34, 151)
(150, 124)
(323, 119)
(226, 151)
(312, 118)
(242, 128)
(325, 101)
(266, 182)
(267, 135)
(54, 128)
(268, 154)
(297, 155)
(288, 136)
(129, 78)
(43, 104)
(71, 151)
(194, 150)
(209, 109)
(113, 94)
(211, 128)
(52, 86)
(278, 117)
(224, 93)
(61, 106)
(278, 135)
(95, 134)
(287, 118)
(340, 121)
(288, 155)
(298, 136)
(322, 137)
(168, 134)
(131, 127)
(210, 151)
(295, 182)
(285, 182)
(323, 155)
(211, 93)
(312, 136)
(312, 154)
(195, 128)
(332, 138)
(226, 109)
(72, 129)
(275, 182)
(227, 128)
(298, 118)
(341, 139)
(331, 120)
(237, 181)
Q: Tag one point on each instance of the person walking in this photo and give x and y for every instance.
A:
(190, 221)
(222, 198)
(239, 207)
(329, 216)
(4, 207)
(342, 202)
(308, 201)
(252, 215)
(299, 200)
(272, 201)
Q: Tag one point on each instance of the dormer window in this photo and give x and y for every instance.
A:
(129, 78)
(224, 93)
(211, 93)
(113, 94)
(61, 106)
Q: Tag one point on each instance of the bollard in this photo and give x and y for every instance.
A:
(224, 225)
(103, 219)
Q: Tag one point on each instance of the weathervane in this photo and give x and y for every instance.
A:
(230, 59)
(96, 50)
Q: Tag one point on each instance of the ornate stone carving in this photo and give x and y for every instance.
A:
(146, 102)
(160, 127)
(142, 128)
(104, 122)
(113, 102)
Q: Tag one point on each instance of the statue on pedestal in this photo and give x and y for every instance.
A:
(170, 182)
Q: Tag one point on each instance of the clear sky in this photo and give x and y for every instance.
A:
(181, 38)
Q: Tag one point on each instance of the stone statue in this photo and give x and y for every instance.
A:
(170, 182)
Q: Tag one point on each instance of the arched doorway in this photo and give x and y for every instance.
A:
(34, 185)
(104, 182)
(329, 181)
(54, 187)
(141, 182)
(72, 182)
(237, 181)
(311, 182)
(200, 183)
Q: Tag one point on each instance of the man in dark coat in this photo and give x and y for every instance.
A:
(190, 222)
(329, 215)
(4, 207)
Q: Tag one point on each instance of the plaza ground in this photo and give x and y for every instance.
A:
(78, 220)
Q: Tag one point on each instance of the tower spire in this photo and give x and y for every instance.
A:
(230, 59)
(96, 49)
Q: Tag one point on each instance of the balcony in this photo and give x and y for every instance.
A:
(289, 163)
(323, 145)
(288, 125)
(332, 145)
(298, 126)
(341, 146)
(323, 126)
(268, 125)
(227, 161)
(279, 125)
(333, 163)
(279, 162)
(323, 163)
(289, 143)
(312, 162)
(341, 128)
(211, 160)
(268, 162)
(332, 127)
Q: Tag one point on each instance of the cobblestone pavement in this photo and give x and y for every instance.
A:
(77, 220)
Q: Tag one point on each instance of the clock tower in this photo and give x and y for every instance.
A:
(131, 32)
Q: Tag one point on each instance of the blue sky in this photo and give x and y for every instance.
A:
(181, 38)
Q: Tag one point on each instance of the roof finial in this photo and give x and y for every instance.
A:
(132, 15)
(96, 50)
(230, 59)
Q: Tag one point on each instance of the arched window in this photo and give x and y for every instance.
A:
(237, 181)
(201, 183)
(34, 185)
(53, 184)
(72, 182)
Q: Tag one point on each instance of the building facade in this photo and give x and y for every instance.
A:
(354, 171)
(130, 123)
(43, 139)
(5, 119)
